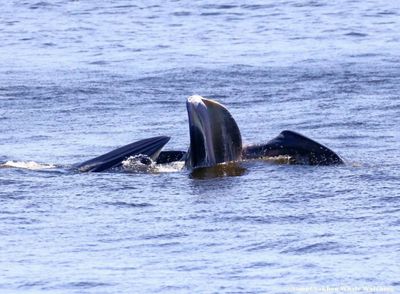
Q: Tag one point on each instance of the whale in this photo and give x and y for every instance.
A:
(215, 139)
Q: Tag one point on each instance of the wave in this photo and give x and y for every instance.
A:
(135, 164)
(33, 165)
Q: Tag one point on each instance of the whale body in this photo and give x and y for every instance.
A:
(215, 138)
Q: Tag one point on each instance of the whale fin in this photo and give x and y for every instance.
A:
(299, 148)
(150, 147)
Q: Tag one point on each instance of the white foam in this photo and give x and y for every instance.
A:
(141, 163)
(27, 165)
(170, 167)
(138, 163)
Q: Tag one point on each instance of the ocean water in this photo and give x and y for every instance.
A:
(79, 78)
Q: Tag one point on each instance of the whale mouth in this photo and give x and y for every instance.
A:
(149, 148)
(214, 134)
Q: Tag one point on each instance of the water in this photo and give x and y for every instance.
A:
(78, 79)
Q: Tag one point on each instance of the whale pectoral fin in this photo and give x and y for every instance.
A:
(299, 148)
(150, 147)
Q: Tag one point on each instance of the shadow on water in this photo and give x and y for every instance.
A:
(230, 169)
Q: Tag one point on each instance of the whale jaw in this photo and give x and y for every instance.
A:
(214, 135)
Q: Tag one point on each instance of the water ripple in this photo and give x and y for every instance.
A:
(122, 204)
(79, 78)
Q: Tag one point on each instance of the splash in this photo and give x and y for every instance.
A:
(144, 164)
(172, 167)
(138, 163)
(26, 165)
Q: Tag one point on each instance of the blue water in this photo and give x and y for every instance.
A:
(79, 78)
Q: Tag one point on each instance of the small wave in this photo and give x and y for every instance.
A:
(84, 285)
(210, 13)
(217, 6)
(170, 167)
(356, 34)
(128, 204)
(317, 247)
(27, 165)
(181, 13)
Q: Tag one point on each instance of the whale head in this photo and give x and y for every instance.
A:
(214, 135)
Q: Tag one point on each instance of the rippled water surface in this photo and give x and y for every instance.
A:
(79, 78)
